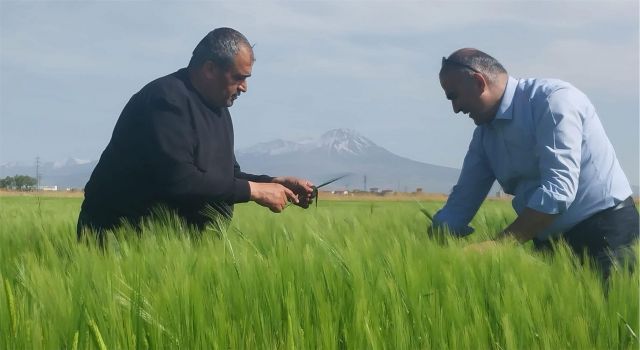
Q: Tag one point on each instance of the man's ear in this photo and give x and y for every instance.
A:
(480, 81)
(210, 70)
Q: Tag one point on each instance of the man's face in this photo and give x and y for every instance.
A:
(466, 94)
(225, 85)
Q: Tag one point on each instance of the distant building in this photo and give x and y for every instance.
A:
(386, 192)
(374, 190)
(48, 188)
(419, 190)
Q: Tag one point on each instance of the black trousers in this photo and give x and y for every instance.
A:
(606, 237)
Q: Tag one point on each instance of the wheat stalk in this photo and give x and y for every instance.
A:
(74, 344)
(97, 337)
(12, 307)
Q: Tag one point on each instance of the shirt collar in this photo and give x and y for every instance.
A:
(505, 111)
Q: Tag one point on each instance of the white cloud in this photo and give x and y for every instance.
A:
(590, 65)
(317, 51)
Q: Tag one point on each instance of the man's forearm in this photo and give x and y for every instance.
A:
(527, 225)
(254, 178)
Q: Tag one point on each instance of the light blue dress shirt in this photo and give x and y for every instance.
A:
(547, 148)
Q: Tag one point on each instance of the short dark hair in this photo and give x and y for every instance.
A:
(474, 60)
(219, 46)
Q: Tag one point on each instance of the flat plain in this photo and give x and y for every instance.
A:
(349, 274)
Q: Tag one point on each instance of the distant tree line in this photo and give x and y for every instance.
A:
(18, 182)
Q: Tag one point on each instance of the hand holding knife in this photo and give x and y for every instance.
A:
(314, 195)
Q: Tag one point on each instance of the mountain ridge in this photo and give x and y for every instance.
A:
(336, 152)
(344, 151)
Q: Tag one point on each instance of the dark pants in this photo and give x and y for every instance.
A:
(606, 237)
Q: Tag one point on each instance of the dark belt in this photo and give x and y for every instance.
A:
(625, 203)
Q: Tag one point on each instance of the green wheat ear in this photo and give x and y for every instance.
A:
(95, 332)
(12, 307)
(74, 344)
(315, 194)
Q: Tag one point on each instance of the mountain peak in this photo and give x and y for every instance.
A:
(336, 141)
(340, 133)
(345, 141)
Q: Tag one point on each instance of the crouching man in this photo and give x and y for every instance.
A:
(542, 140)
(173, 146)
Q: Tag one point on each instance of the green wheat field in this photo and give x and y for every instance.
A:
(344, 275)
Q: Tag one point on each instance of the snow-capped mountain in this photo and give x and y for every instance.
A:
(337, 141)
(334, 153)
(342, 151)
(344, 141)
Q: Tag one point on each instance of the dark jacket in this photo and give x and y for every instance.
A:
(168, 149)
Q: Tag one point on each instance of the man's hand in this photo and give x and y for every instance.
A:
(272, 195)
(301, 187)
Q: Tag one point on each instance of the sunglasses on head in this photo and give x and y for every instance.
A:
(456, 63)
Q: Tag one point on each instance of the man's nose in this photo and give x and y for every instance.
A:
(243, 86)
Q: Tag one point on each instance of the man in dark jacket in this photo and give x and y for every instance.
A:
(172, 147)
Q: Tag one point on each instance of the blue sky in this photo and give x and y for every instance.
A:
(68, 68)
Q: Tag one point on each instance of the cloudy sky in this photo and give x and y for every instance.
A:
(68, 68)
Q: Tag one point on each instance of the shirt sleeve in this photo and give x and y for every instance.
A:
(170, 150)
(475, 181)
(559, 146)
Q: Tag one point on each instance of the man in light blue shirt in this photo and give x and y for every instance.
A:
(542, 140)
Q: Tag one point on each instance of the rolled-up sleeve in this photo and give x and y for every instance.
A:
(475, 181)
(559, 146)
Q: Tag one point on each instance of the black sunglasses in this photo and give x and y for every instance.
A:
(456, 63)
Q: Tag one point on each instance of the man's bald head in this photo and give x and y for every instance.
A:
(474, 82)
(473, 61)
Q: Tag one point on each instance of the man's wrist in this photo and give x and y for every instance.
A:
(253, 190)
